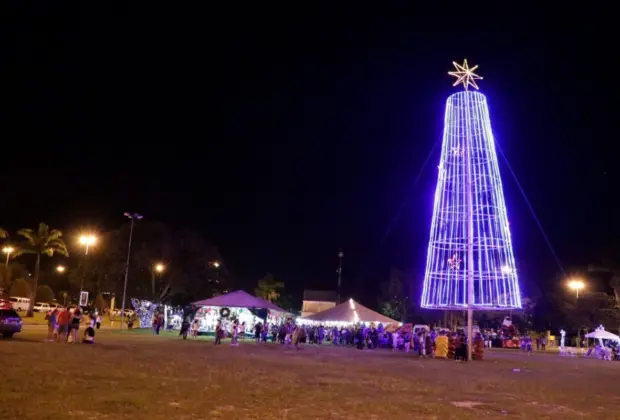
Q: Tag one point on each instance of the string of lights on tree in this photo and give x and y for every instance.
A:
(468, 172)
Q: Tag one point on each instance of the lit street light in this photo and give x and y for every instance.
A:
(61, 268)
(576, 285)
(216, 264)
(158, 269)
(8, 250)
(88, 241)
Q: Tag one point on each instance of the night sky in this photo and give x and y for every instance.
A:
(283, 135)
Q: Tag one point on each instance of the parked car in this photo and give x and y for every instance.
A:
(117, 312)
(5, 304)
(20, 303)
(42, 307)
(10, 322)
(56, 306)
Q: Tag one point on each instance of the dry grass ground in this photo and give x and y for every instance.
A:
(138, 376)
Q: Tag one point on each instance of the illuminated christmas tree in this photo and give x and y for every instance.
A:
(470, 262)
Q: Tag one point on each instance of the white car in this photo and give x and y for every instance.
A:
(42, 307)
(117, 312)
(19, 303)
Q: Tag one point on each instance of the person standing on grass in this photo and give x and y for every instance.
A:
(235, 334)
(63, 324)
(242, 331)
(195, 328)
(98, 320)
(52, 325)
(76, 317)
(218, 332)
(257, 330)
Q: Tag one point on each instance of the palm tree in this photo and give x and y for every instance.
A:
(40, 242)
(3, 233)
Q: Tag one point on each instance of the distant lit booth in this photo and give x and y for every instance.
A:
(348, 313)
(315, 301)
(240, 306)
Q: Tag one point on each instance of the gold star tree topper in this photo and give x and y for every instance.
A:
(465, 75)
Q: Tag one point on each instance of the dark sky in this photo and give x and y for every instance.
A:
(285, 134)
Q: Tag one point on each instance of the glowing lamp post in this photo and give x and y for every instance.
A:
(576, 285)
(61, 268)
(158, 269)
(8, 250)
(87, 241)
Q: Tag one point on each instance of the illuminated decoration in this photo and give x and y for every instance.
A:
(470, 221)
(144, 310)
(455, 262)
(224, 312)
(465, 75)
(563, 339)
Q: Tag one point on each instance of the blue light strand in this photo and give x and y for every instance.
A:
(468, 140)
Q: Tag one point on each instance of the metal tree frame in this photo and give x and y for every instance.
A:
(470, 261)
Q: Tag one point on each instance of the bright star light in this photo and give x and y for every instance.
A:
(465, 75)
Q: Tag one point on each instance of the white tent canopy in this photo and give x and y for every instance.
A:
(603, 335)
(347, 313)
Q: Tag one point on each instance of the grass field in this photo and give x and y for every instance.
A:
(138, 376)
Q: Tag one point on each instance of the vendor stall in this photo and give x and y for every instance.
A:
(248, 310)
(347, 313)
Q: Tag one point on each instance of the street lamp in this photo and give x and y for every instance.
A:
(87, 241)
(576, 285)
(216, 264)
(8, 250)
(133, 217)
(158, 269)
(61, 268)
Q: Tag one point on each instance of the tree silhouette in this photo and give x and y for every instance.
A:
(43, 241)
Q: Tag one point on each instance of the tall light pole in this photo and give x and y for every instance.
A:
(577, 285)
(87, 241)
(133, 217)
(8, 250)
(158, 269)
(340, 257)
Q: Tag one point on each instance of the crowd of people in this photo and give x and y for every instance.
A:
(63, 325)
(423, 342)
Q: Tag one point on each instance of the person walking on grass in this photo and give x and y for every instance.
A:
(98, 320)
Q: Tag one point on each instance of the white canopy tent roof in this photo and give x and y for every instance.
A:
(603, 335)
(347, 313)
(239, 299)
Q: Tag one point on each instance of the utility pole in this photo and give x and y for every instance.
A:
(133, 217)
(340, 256)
